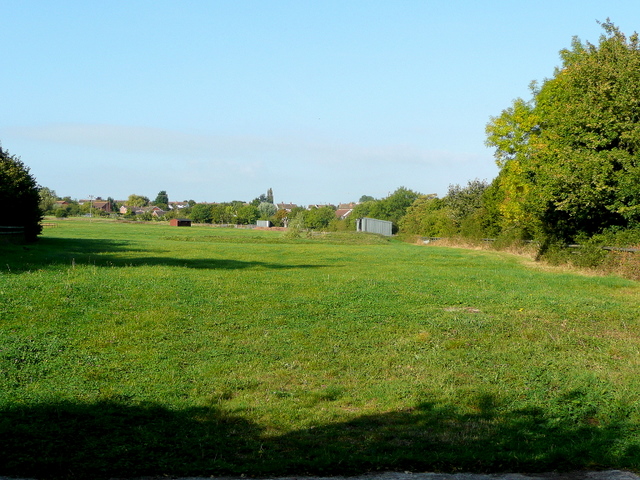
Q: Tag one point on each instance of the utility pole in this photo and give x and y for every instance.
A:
(90, 208)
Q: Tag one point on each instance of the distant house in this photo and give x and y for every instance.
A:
(344, 206)
(180, 222)
(286, 206)
(155, 211)
(343, 213)
(178, 205)
(104, 206)
(319, 205)
(124, 209)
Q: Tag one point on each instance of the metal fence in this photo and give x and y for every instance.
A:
(373, 225)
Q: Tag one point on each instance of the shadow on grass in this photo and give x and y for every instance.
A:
(109, 253)
(107, 439)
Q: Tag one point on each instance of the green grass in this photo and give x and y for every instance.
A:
(143, 349)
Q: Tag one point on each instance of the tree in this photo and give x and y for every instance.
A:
(394, 207)
(280, 218)
(270, 196)
(247, 214)
(465, 201)
(113, 206)
(258, 200)
(366, 198)
(266, 210)
(319, 218)
(570, 157)
(201, 213)
(137, 201)
(429, 217)
(162, 200)
(48, 200)
(19, 194)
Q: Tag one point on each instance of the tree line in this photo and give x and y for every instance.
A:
(568, 159)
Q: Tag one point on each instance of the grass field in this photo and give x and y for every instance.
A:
(143, 349)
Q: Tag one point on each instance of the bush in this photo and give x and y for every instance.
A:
(20, 196)
(296, 225)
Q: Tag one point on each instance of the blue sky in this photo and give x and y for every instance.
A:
(322, 101)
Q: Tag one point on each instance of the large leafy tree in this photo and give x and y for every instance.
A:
(570, 157)
(429, 216)
(137, 200)
(319, 218)
(394, 207)
(266, 210)
(19, 193)
(201, 213)
(465, 201)
(247, 214)
(48, 200)
(162, 200)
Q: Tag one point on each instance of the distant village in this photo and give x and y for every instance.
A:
(367, 214)
(99, 205)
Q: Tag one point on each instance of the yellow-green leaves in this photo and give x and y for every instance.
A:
(570, 156)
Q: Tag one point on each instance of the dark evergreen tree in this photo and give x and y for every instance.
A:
(162, 200)
(19, 193)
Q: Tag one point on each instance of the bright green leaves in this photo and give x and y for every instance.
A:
(511, 132)
(570, 157)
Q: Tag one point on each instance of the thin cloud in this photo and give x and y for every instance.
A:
(252, 150)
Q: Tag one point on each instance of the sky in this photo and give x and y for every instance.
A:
(323, 101)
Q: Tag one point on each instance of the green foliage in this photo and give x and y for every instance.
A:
(162, 200)
(262, 198)
(394, 207)
(113, 205)
(279, 219)
(428, 217)
(48, 200)
(61, 212)
(19, 195)
(247, 214)
(221, 214)
(296, 225)
(267, 210)
(137, 201)
(363, 210)
(466, 201)
(570, 157)
(464, 211)
(258, 200)
(201, 213)
(319, 218)
(391, 208)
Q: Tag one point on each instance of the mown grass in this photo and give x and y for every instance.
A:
(142, 349)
